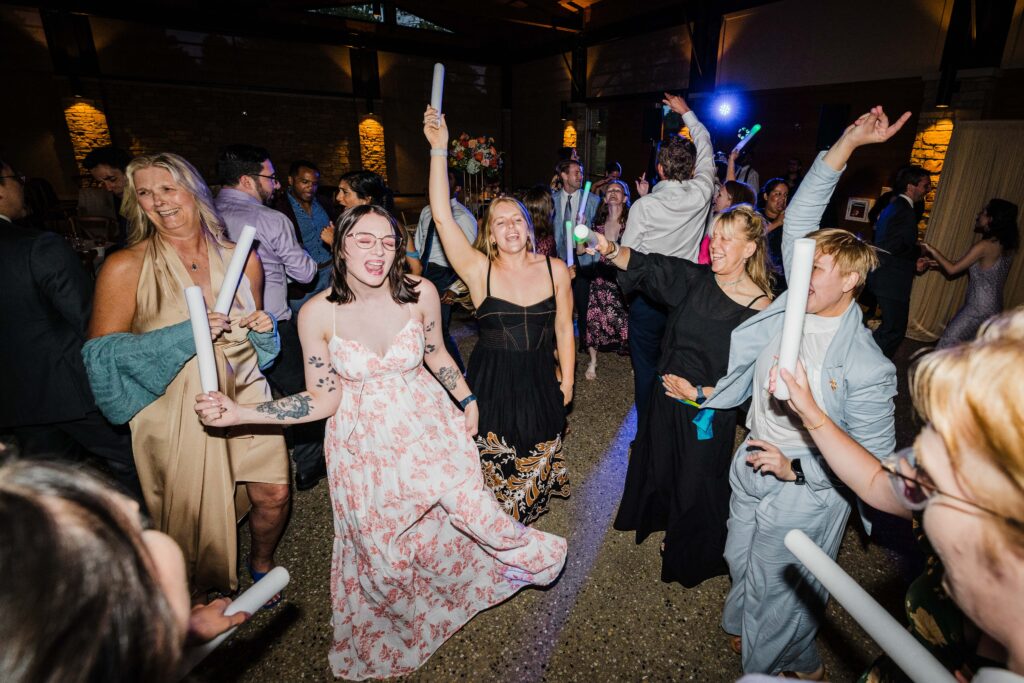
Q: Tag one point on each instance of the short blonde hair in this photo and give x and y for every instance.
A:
(970, 394)
(185, 175)
(850, 253)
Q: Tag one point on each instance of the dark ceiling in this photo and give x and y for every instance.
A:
(488, 31)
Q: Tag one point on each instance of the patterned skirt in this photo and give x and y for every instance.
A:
(522, 420)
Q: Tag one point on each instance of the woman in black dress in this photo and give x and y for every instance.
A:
(678, 476)
(523, 303)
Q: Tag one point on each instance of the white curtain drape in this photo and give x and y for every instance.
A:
(985, 159)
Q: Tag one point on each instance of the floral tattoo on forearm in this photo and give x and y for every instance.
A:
(289, 407)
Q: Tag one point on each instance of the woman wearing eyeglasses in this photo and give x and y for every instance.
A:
(963, 481)
(420, 543)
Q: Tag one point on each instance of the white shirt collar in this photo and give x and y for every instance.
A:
(909, 200)
(6, 218)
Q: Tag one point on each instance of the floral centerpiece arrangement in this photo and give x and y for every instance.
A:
(475, 155)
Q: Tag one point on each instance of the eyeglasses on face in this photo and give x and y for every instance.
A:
(20, 178)
(271, 178)
(915, 489)
(365, 240)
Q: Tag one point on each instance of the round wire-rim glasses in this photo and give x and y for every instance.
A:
(915, 488)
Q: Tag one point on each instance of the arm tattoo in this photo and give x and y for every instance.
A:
(430, 348)
(429, 326)
(295, 406)
(327, 382)
(316, 361)
(449, 377)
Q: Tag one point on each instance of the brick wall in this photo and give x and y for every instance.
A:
(194, 122)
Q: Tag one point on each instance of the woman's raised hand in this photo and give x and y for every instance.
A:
(801, 400)
(216, 410)
(642, 186)
(435, 130)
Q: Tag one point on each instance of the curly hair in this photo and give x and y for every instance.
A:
(676, 158)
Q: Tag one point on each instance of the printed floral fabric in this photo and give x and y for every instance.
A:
(420, 543)
(607, 317)
(523, 484)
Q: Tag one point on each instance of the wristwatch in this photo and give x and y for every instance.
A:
(700, 396)
(798, 470)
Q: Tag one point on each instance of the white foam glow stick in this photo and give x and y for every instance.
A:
(570, 246)
(201, 335)
(233, 275)
(799, 279)
(585, 235)
(250, 601)
(897, 641)
(437, 89)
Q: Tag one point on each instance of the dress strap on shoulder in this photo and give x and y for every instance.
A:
(551, 275)
(334, 320)
(756, 299)
(489, 262)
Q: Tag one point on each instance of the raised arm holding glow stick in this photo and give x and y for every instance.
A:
(201, 335)
(437, 88)
(233, 274)
(743, 143)
(796, 309)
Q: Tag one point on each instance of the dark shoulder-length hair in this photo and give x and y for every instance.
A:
(370, 185)
(403, 288)
(1004, 223)
(80, 597)
(601, 217)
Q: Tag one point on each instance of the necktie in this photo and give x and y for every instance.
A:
(567, 214)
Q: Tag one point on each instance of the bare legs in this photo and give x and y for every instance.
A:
(270, 503)
(592, 368)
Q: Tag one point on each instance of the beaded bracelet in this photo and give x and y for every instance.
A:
(438, 152)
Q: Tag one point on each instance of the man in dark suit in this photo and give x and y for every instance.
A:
(900, 258)
(47, 297)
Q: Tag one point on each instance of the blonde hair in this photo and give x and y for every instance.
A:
(850, 253)
(184, 175)
(970, 394)
(743, 221)
(483, 240)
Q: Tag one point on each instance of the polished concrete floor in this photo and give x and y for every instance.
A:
(608, 618)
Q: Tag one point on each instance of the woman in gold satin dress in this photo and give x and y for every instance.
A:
(198, 482)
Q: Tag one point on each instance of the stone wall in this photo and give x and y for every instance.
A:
(88, 128)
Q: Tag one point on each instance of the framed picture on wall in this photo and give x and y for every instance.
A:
(857, 209)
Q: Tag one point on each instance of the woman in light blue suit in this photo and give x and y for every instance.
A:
(773, 608)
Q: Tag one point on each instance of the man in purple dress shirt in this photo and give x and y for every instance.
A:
(249, 182)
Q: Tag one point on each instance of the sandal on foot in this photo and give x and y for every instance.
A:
(736, 644)
(816, 675)
(256, 576)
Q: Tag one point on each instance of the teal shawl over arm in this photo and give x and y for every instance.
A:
(128, 371)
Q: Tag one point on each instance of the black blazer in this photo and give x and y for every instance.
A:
(45, 303)
(896, 235)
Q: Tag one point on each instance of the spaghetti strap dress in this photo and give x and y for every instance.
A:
(420, 545)
(522, 418)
